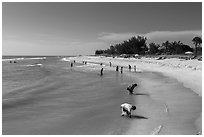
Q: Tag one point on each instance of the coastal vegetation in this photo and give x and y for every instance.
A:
(197, 41)
(138, 45)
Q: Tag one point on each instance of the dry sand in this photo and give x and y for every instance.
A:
(170, 99)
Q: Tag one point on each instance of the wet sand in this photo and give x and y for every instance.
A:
(168, 101)
(164, 106)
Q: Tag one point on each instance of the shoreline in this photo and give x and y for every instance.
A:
(168, 68)
(165, 108)
(175, 68)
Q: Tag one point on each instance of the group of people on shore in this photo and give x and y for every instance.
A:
(13, 61)
(121, 68)
(110, 63)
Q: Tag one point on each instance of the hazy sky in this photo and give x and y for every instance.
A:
(81, 28)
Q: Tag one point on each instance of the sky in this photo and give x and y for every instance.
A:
(66, 28)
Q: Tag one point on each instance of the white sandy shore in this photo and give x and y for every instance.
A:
(188, 72)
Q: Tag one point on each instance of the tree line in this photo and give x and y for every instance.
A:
(137, 45)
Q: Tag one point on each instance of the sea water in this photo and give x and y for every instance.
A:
(44, 95)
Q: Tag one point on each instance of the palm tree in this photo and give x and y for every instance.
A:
(197, 41)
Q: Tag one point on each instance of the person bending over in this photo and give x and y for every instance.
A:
(131, 87)
(126, 109)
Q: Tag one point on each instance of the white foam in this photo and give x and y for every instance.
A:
(156, 130)
(13, 59)
(33, 65)
(37, 58)
(92, 64)
(65, 59)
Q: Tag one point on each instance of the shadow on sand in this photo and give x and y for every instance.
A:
(140, 94)
(139, 117)
(136, 117)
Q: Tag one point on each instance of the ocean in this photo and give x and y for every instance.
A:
(45, 96)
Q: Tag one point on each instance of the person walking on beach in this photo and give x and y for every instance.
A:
(131, 87)
(135, 68)
(101, 71)
(129, 67)
(116, 68)
(126, 109)
(121, 70)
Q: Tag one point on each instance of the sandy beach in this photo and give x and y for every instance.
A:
(102, 68)
(168, 96)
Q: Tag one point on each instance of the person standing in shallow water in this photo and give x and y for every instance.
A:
(135, 68)
(101, 71)
(121, 70)
(116, 68)
(129, 68)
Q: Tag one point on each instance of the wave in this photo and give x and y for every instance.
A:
(34, 65)
(65, 59)
(13, 59)
(37, 58)
(30, 93)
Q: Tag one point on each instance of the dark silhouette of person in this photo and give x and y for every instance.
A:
(117, 68)
(85, 62)
(121, 70)
(10, 61)
(110, 64)
(101, 71)
(71, 64)
(74, 61)
(129, 68)
(135, 68)
(131, 87)
(101, 64)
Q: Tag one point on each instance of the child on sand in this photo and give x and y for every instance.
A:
(126, 109)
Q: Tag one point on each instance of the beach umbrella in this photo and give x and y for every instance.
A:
(136, 55)
(188, 53)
